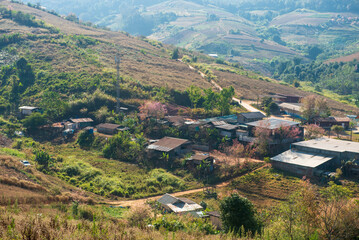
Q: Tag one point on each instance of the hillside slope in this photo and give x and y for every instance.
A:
(139, 59)
(72, 63)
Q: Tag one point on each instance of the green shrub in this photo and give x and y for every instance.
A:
(85, 139)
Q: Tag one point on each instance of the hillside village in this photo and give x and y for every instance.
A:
(159, 144)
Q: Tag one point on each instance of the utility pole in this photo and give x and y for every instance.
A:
(117, 61)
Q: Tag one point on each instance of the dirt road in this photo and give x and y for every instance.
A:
(142, 201)
(245, 103)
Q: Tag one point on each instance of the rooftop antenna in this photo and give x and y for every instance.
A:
(117, 61)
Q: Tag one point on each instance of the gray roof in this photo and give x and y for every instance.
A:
(253, 115)
(291, 106)
(199, 157)
(330, 145)
(227, 127)
(218, 123)
(302, 158)
(272, 123)
(167, 144)
(179, 205)
(214, 214)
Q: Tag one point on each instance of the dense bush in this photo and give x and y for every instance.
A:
(122, 147)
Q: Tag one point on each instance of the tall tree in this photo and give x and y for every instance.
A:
(313, 131)
(313, 106)
(194, 94)
(210, 99)
(225, 99)
(239, 213)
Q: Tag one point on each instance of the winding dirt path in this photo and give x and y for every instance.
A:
(246, 104)
(143, 201)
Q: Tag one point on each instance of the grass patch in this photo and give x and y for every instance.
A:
(13, 152)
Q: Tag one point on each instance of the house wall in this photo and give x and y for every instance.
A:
(224, 133)
(295, 169)
(216, 221)
(84, 124)
(106, 131)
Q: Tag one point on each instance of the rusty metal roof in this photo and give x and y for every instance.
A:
(108, 126)
(167, 144)
(81, 120)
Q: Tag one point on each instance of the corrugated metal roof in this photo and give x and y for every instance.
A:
(254, 115)
(179, 205)
(214, 213)
(167, 144)
(291, 106)
(302, 158)
(218, 123)
(81, 120)
(167, 199)
(199, 157)
(272, 123)
(332, 119)
(228, 127)
(108, 126)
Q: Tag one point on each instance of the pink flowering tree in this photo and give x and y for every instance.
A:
(153, 109)
(313, 131)
(287, 132)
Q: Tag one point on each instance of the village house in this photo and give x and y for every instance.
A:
(250, 117)
(308, 157)
(180, 206)
(329, 122)
(288, 98)
(171, 146)
(227, 130)
(215, 218)
(27, 110)
(272, 125)
(200, 158)
(110, 128)
(292, 109)
(80, 123)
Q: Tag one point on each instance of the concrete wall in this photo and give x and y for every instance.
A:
(300, 171)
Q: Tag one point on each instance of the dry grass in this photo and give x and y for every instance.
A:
(56, 222)
(154, 67)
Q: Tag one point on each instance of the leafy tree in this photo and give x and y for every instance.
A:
(55, 108)
(237, 211)
(34, 121)
(313, 106)
(43, 158)
(14, 97)
(175, 54)
(85, 139)
(194, 94)
(26, 75)
(337, 129)
(314, 51)
(122, 147)
(225, 99)
(210, 99)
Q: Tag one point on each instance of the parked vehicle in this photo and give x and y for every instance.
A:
(25, 163)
